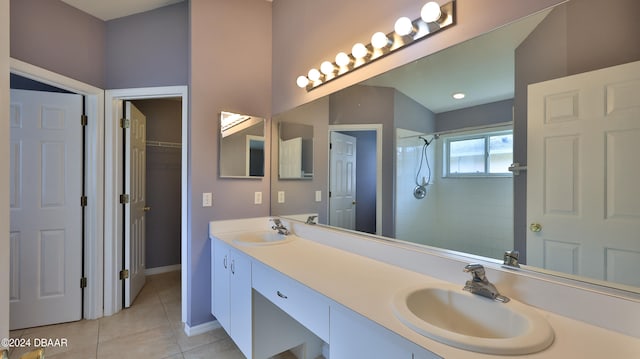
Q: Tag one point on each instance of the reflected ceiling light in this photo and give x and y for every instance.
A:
(327, 68)
(359, 51)
(458, 95)
(404, 26)
(433, 18)
(302, 81)
(314, 75)
(431, 12)
(379, 40)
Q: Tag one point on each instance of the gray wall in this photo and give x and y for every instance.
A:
(148, 49)
(475, 116)
(230, 70)
(57, 37)
(163, 183)
(568, 42)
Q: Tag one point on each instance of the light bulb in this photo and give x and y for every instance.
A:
(302, 81)
(359, 51)
(379, 40)
(314, 75)
(342, 59)
(430, 12)
(403, 26)
(327, 68)
(458, 95)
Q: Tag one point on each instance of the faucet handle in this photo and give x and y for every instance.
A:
(477, 271)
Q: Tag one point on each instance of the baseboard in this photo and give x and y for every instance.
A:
(165, 269)
(201, 328)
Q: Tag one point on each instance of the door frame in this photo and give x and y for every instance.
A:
(378, 130)
(113, 226)
(94, 175)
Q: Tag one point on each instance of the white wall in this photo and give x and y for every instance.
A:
(4, 168)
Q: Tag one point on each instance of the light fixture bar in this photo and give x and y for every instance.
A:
(378, 47)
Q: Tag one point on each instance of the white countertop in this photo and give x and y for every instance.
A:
(367, 286)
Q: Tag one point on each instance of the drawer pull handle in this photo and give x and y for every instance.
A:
(282, 295)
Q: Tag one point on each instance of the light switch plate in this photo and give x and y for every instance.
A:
(318, 196)
(280, 196)
(257, 198)
(207, 200)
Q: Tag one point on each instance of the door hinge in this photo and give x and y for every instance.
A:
(84, 120)
(83, 282)
(124, 198)
(83, 201)
(330, 145)
(329, 194)
(124, 274)
(125, 123)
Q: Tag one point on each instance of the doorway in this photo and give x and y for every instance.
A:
(94, 179)
(114, 224)
(360, 207)
(47, 185)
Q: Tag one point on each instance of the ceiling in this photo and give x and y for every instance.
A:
(113, 9)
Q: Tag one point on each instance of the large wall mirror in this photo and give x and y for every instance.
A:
(570, 208)
(241, 146)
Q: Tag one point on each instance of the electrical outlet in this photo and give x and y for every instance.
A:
(318, 196)
(207, 200)
(257, 198)
(280, 196)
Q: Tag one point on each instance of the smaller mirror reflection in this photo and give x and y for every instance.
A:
(295, 151)
(241, 146)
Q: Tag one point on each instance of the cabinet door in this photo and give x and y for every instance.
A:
(353, 336)
(220, 286)
(240, 301)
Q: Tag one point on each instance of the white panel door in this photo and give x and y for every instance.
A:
(342, 181)
(290, 158)
(583, 174)
(135, 186)
(46, 214)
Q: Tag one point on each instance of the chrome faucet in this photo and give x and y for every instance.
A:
(311, 219)
(511, 259)
(278, 226)
(480, 285)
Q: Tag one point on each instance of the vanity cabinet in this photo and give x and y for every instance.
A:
(354, 336)
(231, 293)
(305, 305)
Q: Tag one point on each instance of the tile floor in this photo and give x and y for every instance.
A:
(151, 328)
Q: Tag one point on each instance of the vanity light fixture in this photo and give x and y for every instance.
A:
(433, 18)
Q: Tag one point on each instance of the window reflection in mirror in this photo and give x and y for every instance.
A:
(241, 146)
(295, 151)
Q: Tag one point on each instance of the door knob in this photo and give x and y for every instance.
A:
(147, 208)
(535, 227)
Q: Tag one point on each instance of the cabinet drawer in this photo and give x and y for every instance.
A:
(304, 305)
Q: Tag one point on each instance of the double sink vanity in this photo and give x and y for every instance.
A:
(302, 287)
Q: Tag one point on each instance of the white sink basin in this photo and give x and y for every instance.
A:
(261, 238)
(448, 314)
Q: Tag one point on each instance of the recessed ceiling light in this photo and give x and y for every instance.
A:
(458, 95)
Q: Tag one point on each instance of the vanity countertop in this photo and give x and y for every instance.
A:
(367, 286)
